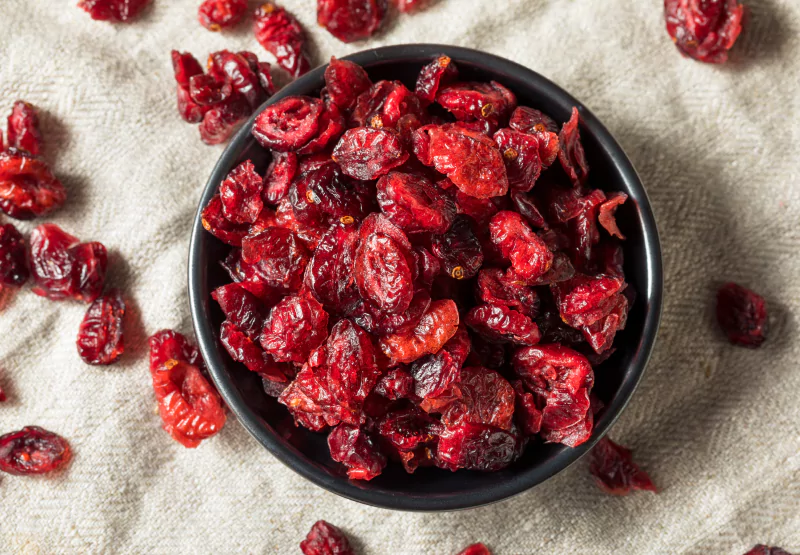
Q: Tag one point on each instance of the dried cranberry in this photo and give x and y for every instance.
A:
(190, 407)
(366, 153)
(372, 319)
(395, 384)
(528, 254)
(473, 101)
(351, 364)
(243, 349)
(277, 257)
(606, 214)
(216, 15)
(742, 315)
(475, 549)
(280, 34)
(13, 263)
(28, 188)
(600, 334)
(414, 204)
(441, 71)
(219, 123)
(33, 450)
(704, 30)
(528, 416)
(493, 287)
(288, 124)
(204, 90)
(761, 549)
(3, 397)
(486, 398)
(584, 300)
(325, 539)
(409, 428)
(295, 327)
(236, 70)
(241, 308)
(521, 156)
(240, 193)
(406, 6)
(477, 447)
(354, 448)
(541, 126)
(614, 470)
(502, 324)
(383, 105)
(215, 222)
(100, 337)
(113, 10)
(279, 176)
(436, 376)
(351, 20)
(331, 127)
(479, 209)
(459, 249)
(345, 81)
(23, 129)
(571, 154)
(436, 326)
(62, 267)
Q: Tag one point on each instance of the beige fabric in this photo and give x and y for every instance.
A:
(717, 427)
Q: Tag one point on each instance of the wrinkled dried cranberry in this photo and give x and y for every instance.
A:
(395, 384)
(493, 287)
(459, 249)
(475, 549)
(351, 365)
(277, 257)
(600, 334)
(528, 254)
(704, 29)
(241, 308)
(236, 70)
(742, 315)
(351, 20)
(521, 156)
(372, 319)
(436, 326)
(191, 409)
(100, 337)
(216, 15)
(354, 448)
(28, 188)
(295, 327)
(571, 154)
(23, 128)
(13, 262)
(428, 266)
(409, 428)
(280, 34)
(477, 447)
(33, 450)
(584, 300)
(62, 267)
(345, 81)
(541, 126)
(486, 398)
(204, 90)
(473, 101)
(761, 549)
(325, 539)
(414, 204)
(288, 124)
(325, 196)
(502, 324)
(329, 273)
(366, 153)
(384, 104)
(528, 416)
(606, 214)
(113, 10)
(279, 176)
(614, 471)
(240, 193)
(243, 349)
(331, 127)
(441, 71)
(219, 123)
(436, 376)
(215, 222)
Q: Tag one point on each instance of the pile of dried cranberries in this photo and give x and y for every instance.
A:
(425, 274)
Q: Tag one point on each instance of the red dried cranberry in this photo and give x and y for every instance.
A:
(277, 257)
(486, 398)
(279, 176)
(476, 549)
(502, 324)
(437, 325)
(459, 249)
(62, 267)
(477, 447)
(13, 262)
(33, 450)
(329, 275)
(441, 71)
(280, 34)
(295, 327)
(528, 254)
(606, 214)
(704, 29)
(240, 193)
(241, 308)
(352, 370)
(216, 15)
(493, 287)
(571, 154)
(742, 315)
(584, 300)
(474, 101)
(345, 81)
(614, 471)
(243, 349)
(521, 156)
(325, 539)
(366, 153)
(600, 334)
(331, 127)
(351, 20)
(409, 428)
(113, 10)
(3, 397)
(541, 126)
(28, 188)
(761, 549)
(215, 222)
(288, 124)
(236, 70)
(354, 448)
(395, 384)
(528, 416)
(414, 204)
(100, 337)
(23, 129)
(219, 123)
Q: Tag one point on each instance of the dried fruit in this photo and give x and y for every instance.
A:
(100, 337)
(441, 71)
(521, 157)
(288, 124)
(279, 176)
(13, 263)
(366, 153)
(243, 349)
(541, 126)
(742, 315)
(476, 447)
(476, 549)
(351, 20)
(216, 15)
(614, 471)
(62, 267)
(704, 30)
(23, 129)
(571, 154)
(395, 384)
(33, 450)
(276, 258)
(354, 448)
(606, 214)
(296, 326)
(528, 254)
(474, 101)
(240, 193)
(280, 34)
(28, 188)
(437, 325)
(345, 81)
(458, 249)
(118, 11)
(325, 539)
(486, 398)
(502, 324)
(190, 407)
(414, 204)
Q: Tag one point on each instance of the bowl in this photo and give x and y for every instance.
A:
(433, 489)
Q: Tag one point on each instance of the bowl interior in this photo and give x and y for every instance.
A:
(434, 489)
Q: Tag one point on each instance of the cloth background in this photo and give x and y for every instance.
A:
(717, 427)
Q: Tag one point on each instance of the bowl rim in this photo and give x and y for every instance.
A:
(252, 422)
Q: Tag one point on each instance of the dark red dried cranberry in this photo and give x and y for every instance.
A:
(241, 308)
(606, 214)
(216, 15)
(351, 20)
(280, 34)
(395, 384)
(28, 188)
(277, 258)
(474, 101)
(33, 450)
(571, 154)
(354, 448)
(325, 539)
(502, 324)
(243, 349)
(441, 71)
(219, 123)
(23, 129)
(486, 398)
(538, 124)
(345, 81)
(414, 204)
(704, 29)
(279, 176)
(236, 70)
(477, 447)
(475, 549)
(459, 249)
(13, 262)
(329, 274)
(113, 10)
(521, 156)
(614, 471)
(288, 124)
(366, 153)
(295, 327)
(742, 315)
(240, 193)
(100, 337)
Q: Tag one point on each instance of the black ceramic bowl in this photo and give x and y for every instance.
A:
(432, 489)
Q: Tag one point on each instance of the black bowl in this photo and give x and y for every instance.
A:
(431, 489)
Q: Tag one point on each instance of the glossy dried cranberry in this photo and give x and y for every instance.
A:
(216, 15)
(351, 364)
(395, 384)
(475, 549)
(236, 69)
(521, 156)
(409, 428)
(383, 105)
(33, 450)
(23, 129)
(479, 209)
(502, 324)
(428, 266)
(345, 81)
(288, 124)
(742, 315)
(406, 6)
(459, 249)
(296, 326)
(351, 20)
(437, 325)
(219, 123)
(13, 262)
(528, 254)
(583, 300)
(324, 196)
(474, 101)
(704, 30)
(279, 176)
(571, 154)
(541, 126)
(240, 193)
(277, 257)
(62, 267)
(331, 127)
(471, 160)
(527, 415)
(243, 349)
(439, 72)
(366, 153)
(241, 308)
(614, 471)
(606, 214)
(486, 398)
(100, 337)
(325, 539)
(600, 334)
(113, 10)
(204, 90)
(493, 287)
(476, 447)
(281, 34)
(414, 204)
(28, 188)
(354, 448)
(215, 222)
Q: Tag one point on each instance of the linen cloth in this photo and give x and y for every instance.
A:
(716, 426)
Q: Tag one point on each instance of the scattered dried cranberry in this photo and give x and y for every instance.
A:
(33, 450)
(100, 339)
(113, 10)
(351, 20)
(28, 189)
(704, 29)
(614, 471)
(23, 129)
(13, 262)
(62, 267)
(742, 315)
(325, 539)
(476, 549)
(761, 549)
(280, 34)
(216, 15)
